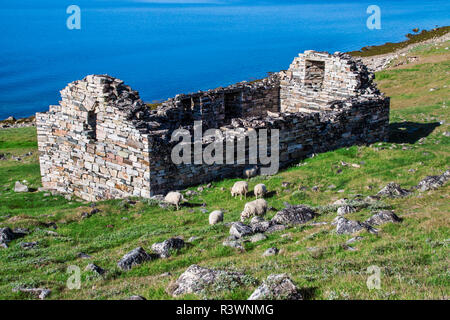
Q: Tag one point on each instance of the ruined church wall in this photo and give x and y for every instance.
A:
(216, 107)
(88, 148)
(316, 79)
(301, 134)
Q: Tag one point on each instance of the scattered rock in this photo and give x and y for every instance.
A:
(344, 226)
(343, 210)
(19, 187)
(277, 287)
(393, 190)
(29, 245)
(215, 217)
(341, 202)
(382, 217)
(163, 248)
(348, 248)
(136, 298)
(234, 243)
(258, 237)
(193, 238)
(83, 255)
(372, 199)
(258, 224)
(271, 252)
(89, 214)
(239, 230)
(298, 214)
(134, 258)
(6, 235)
(276, 227)
(94, 268)
(39, 292)
(196, 279)
(354, 239)
(191, 193)
(433, 182)
(285, 184)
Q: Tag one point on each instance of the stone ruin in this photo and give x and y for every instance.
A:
(102, 141)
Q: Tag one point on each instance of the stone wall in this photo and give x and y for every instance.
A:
(89, 147)
(316, 79)
(357, 121)
(102, 141)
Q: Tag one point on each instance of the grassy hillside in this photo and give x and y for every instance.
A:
(390, 47)
(413, 255)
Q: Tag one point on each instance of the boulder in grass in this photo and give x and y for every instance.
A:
(345, 226)
(382, 217)
(343, 210)
(259, 225)
(291, 215)
(215, 217)
(134, 258)
(163, 248)
(95, 268)
(20, 187)
(277, 287)
(197, 279)
(271, 252)
(433, 182)
(239, 230)
(393, 190)
(6, 235)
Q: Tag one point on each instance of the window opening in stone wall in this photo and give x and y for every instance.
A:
(233, 105)
(314, 74)
(92, 125)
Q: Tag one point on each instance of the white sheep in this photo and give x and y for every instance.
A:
(256, 207)
(260, 190)
(239, 188)
(250, 172)
(174, 198)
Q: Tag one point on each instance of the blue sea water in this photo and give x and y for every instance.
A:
(162, 48)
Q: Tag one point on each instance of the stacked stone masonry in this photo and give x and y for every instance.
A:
(103, 142)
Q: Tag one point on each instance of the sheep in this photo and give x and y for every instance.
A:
(250, 172)
(260, 190)
(240, 188)
(174, 198)
(256, 207)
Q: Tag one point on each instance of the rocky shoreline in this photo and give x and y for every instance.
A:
(12, 122)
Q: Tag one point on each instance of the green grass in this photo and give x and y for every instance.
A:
(413, 255)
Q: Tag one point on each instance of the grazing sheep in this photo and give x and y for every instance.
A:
(260, 190)
(257, 207)
(250, 172)
(240, 188)
(174, 198)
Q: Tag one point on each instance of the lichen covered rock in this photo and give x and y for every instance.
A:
(277, 287)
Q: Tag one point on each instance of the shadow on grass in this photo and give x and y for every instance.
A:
(308, 293)
(410, 132)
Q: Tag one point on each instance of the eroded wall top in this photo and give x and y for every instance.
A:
(315, 79)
